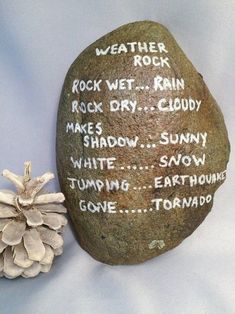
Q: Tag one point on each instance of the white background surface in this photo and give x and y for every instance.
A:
(38, 42)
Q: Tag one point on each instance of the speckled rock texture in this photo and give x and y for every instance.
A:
(129, 236)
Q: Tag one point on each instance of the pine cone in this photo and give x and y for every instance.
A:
(30, 225)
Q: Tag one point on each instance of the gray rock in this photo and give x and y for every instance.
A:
(154, 208)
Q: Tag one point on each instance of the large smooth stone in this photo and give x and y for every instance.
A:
(141, 145)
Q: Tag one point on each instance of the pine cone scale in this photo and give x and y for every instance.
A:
(7, 211)
(34, 217)
(52, 208)
(50, 237)
(13, 232)
(45, 268)
(4, 222)
(20, 256)
(33, 245)
(48, 257)
(32, 271)
(3, 245)
(52, 220)
(11, 270)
